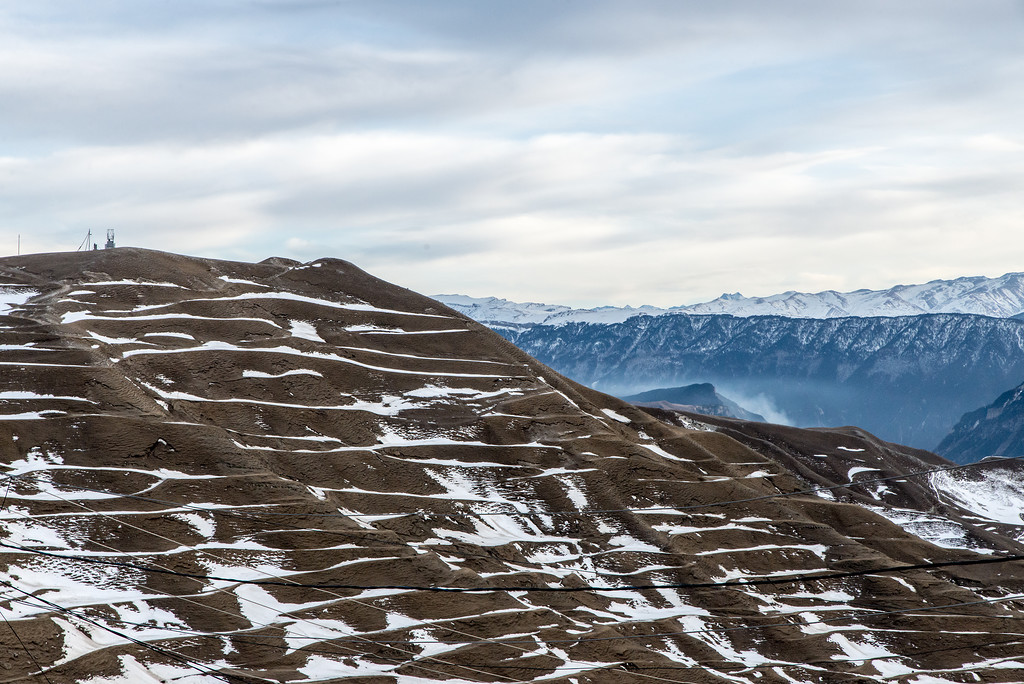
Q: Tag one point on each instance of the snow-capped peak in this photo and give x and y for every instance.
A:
(1001, 297)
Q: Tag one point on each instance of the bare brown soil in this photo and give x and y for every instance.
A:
(212, 468)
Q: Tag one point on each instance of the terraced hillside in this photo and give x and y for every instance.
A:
(286, 472)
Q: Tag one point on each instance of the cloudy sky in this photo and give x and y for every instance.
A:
(576, 152)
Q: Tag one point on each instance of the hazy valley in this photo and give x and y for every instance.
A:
(945, 349)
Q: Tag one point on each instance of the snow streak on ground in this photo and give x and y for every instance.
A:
(280, 476)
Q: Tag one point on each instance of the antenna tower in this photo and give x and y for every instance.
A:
(86, 243)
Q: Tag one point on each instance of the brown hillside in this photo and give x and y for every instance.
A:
(220, 471)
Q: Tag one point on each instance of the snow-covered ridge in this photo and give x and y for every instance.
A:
(495, 310)
(1000, 297)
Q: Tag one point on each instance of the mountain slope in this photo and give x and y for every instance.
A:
(218, 471)
(956, 506)
(1001, 297)
(993, 430)
(906, 379)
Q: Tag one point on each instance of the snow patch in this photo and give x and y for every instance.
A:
(989, 494)
(298, 371)
(305, 330)
(616, 416)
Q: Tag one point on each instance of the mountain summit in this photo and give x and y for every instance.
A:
(281, 472)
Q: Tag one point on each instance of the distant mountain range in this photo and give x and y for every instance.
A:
(905, 363)
(1001, 297)
(907, 379)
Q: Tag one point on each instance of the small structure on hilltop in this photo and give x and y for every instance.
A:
(88, 244)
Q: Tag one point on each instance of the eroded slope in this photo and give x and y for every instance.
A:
(265, 472)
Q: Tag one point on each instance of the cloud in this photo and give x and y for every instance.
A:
(762, 404)
(592, 218)
(208, 71)
(572, 152)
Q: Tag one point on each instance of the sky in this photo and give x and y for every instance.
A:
(561, 151)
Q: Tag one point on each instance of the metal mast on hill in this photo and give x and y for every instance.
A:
(88, 244)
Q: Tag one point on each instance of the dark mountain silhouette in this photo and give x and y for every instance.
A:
(993, 430)
(698, 398)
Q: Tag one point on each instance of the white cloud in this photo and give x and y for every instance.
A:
(612, 153)
(639, 219)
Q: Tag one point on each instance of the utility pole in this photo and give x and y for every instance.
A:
(87, 242)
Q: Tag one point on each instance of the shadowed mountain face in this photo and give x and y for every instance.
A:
(907, 379)
(993, 430)
(217, 471)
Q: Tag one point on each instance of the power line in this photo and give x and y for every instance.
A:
(204, 669)
(249, 515)
(293, 584)
(290, 584)
(845, 619)
(739, 582)
(584, 512)
(250, 639)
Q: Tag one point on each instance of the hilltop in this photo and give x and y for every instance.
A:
(220, 471)
(699, 398)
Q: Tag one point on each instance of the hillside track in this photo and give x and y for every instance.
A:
(225, 472)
